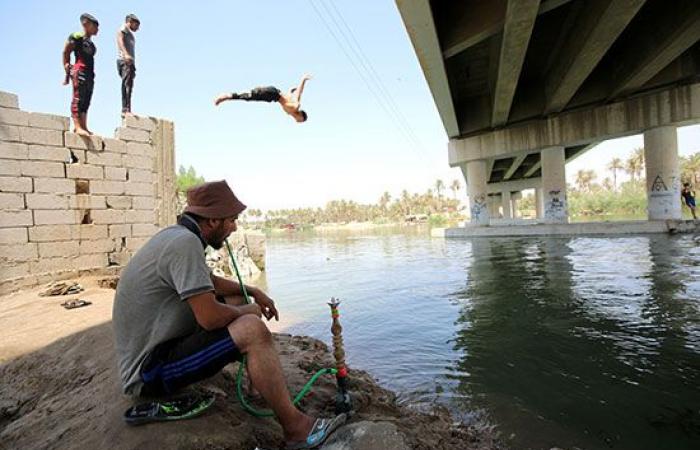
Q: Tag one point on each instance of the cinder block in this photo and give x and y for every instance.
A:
(119, 231)
(119, 202)
(15, 184)
(16, 218)
(141, 175)
(50, 121)
(43, 169)
(135, 188)
(120, 258)
(115, 173)
(140, 216)
(48, 233)
(139, 148)
(132, 134)
(52, 249)
(79, 155)
(40, 136)
(56, 217)
(47, 201)
(54, 185)
(18, 252)
(84, 171)
(143, 123)
(143, 229)
(91, 261)
(138, 162)
(104, 158)
(97, 246)
(49, 265)
(114, 145)
(9, 100)
(11, 116)
(13, 150)
(83, 142)
(108, 216)
(44, 153)
(133, 244)
(89, 232)
(143, 203)
(87, 201)
(13, 236)
(9, 133)
(107, 187)
(10, 167)
(11, 200)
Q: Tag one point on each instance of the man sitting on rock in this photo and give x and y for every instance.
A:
(175, 323)
(290, 102)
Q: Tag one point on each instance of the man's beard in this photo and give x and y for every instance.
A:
(216, 245)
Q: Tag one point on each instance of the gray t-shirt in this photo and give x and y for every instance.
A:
(150, 305)
(129, 42)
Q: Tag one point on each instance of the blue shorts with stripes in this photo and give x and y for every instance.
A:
(182, 361)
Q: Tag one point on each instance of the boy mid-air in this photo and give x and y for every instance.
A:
(290, 102)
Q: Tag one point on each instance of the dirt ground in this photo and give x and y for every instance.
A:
(59, 389)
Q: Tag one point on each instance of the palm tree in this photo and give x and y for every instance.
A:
(439, 186)
(614, 165)
(584, 178)
(455, 187)
(384, 200)
(690, 168)
(635, 163)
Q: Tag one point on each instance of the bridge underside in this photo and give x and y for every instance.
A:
(524, 86)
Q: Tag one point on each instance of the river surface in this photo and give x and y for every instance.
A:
(583, 342)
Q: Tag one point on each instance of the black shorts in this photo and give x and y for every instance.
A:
(265, 94)
(83, 85)
(182, 361)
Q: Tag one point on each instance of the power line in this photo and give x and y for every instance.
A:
(362, 56)
(379, 100)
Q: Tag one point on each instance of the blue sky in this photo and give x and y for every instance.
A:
(188, 52)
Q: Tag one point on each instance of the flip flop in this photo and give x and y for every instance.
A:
(77, 303)
(319, 433)
(180, 408)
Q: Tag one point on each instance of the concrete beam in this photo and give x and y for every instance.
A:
(488, 21)
(513, 186)
(642, 64)
(677, 106)
(519, 22)
(514, 166)
(595, 31)
(418, 19)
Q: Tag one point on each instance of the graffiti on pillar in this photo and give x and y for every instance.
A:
(479, 208)
(555, 206)
(658, 185)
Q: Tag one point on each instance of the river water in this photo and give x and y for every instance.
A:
(585, 342)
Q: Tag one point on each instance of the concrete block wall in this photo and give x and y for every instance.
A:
(71, 203)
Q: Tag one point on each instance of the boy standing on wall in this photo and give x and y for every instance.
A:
(82, 72)
(126, 62)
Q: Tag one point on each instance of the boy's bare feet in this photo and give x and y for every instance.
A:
(222, 98)
(82, 132)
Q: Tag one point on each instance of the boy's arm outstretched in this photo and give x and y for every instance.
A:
(300, 89)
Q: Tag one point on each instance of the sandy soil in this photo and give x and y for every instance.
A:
(59, 389)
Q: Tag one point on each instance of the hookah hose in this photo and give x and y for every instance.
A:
(241, 367)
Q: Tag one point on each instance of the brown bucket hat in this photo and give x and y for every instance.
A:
(213, 200)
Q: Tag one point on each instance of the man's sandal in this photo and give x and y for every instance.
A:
(180, 408)
(319, 433)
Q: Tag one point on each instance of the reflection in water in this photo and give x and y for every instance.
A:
(587, 342)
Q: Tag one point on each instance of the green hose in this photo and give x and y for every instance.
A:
(241, 367)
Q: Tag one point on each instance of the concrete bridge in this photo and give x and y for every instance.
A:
(524, 86)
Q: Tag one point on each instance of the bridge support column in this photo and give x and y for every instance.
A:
(538, 203)
(507, 205)
(476, 177)
(663, 174)
(554, 185)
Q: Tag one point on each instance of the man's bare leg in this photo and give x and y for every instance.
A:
(254, 339)
(238, 300)
(79, 125)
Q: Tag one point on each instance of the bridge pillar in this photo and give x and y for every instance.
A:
(538, 203)
(476, 178)
(554, 185)
(663, 174)
(507, 205)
